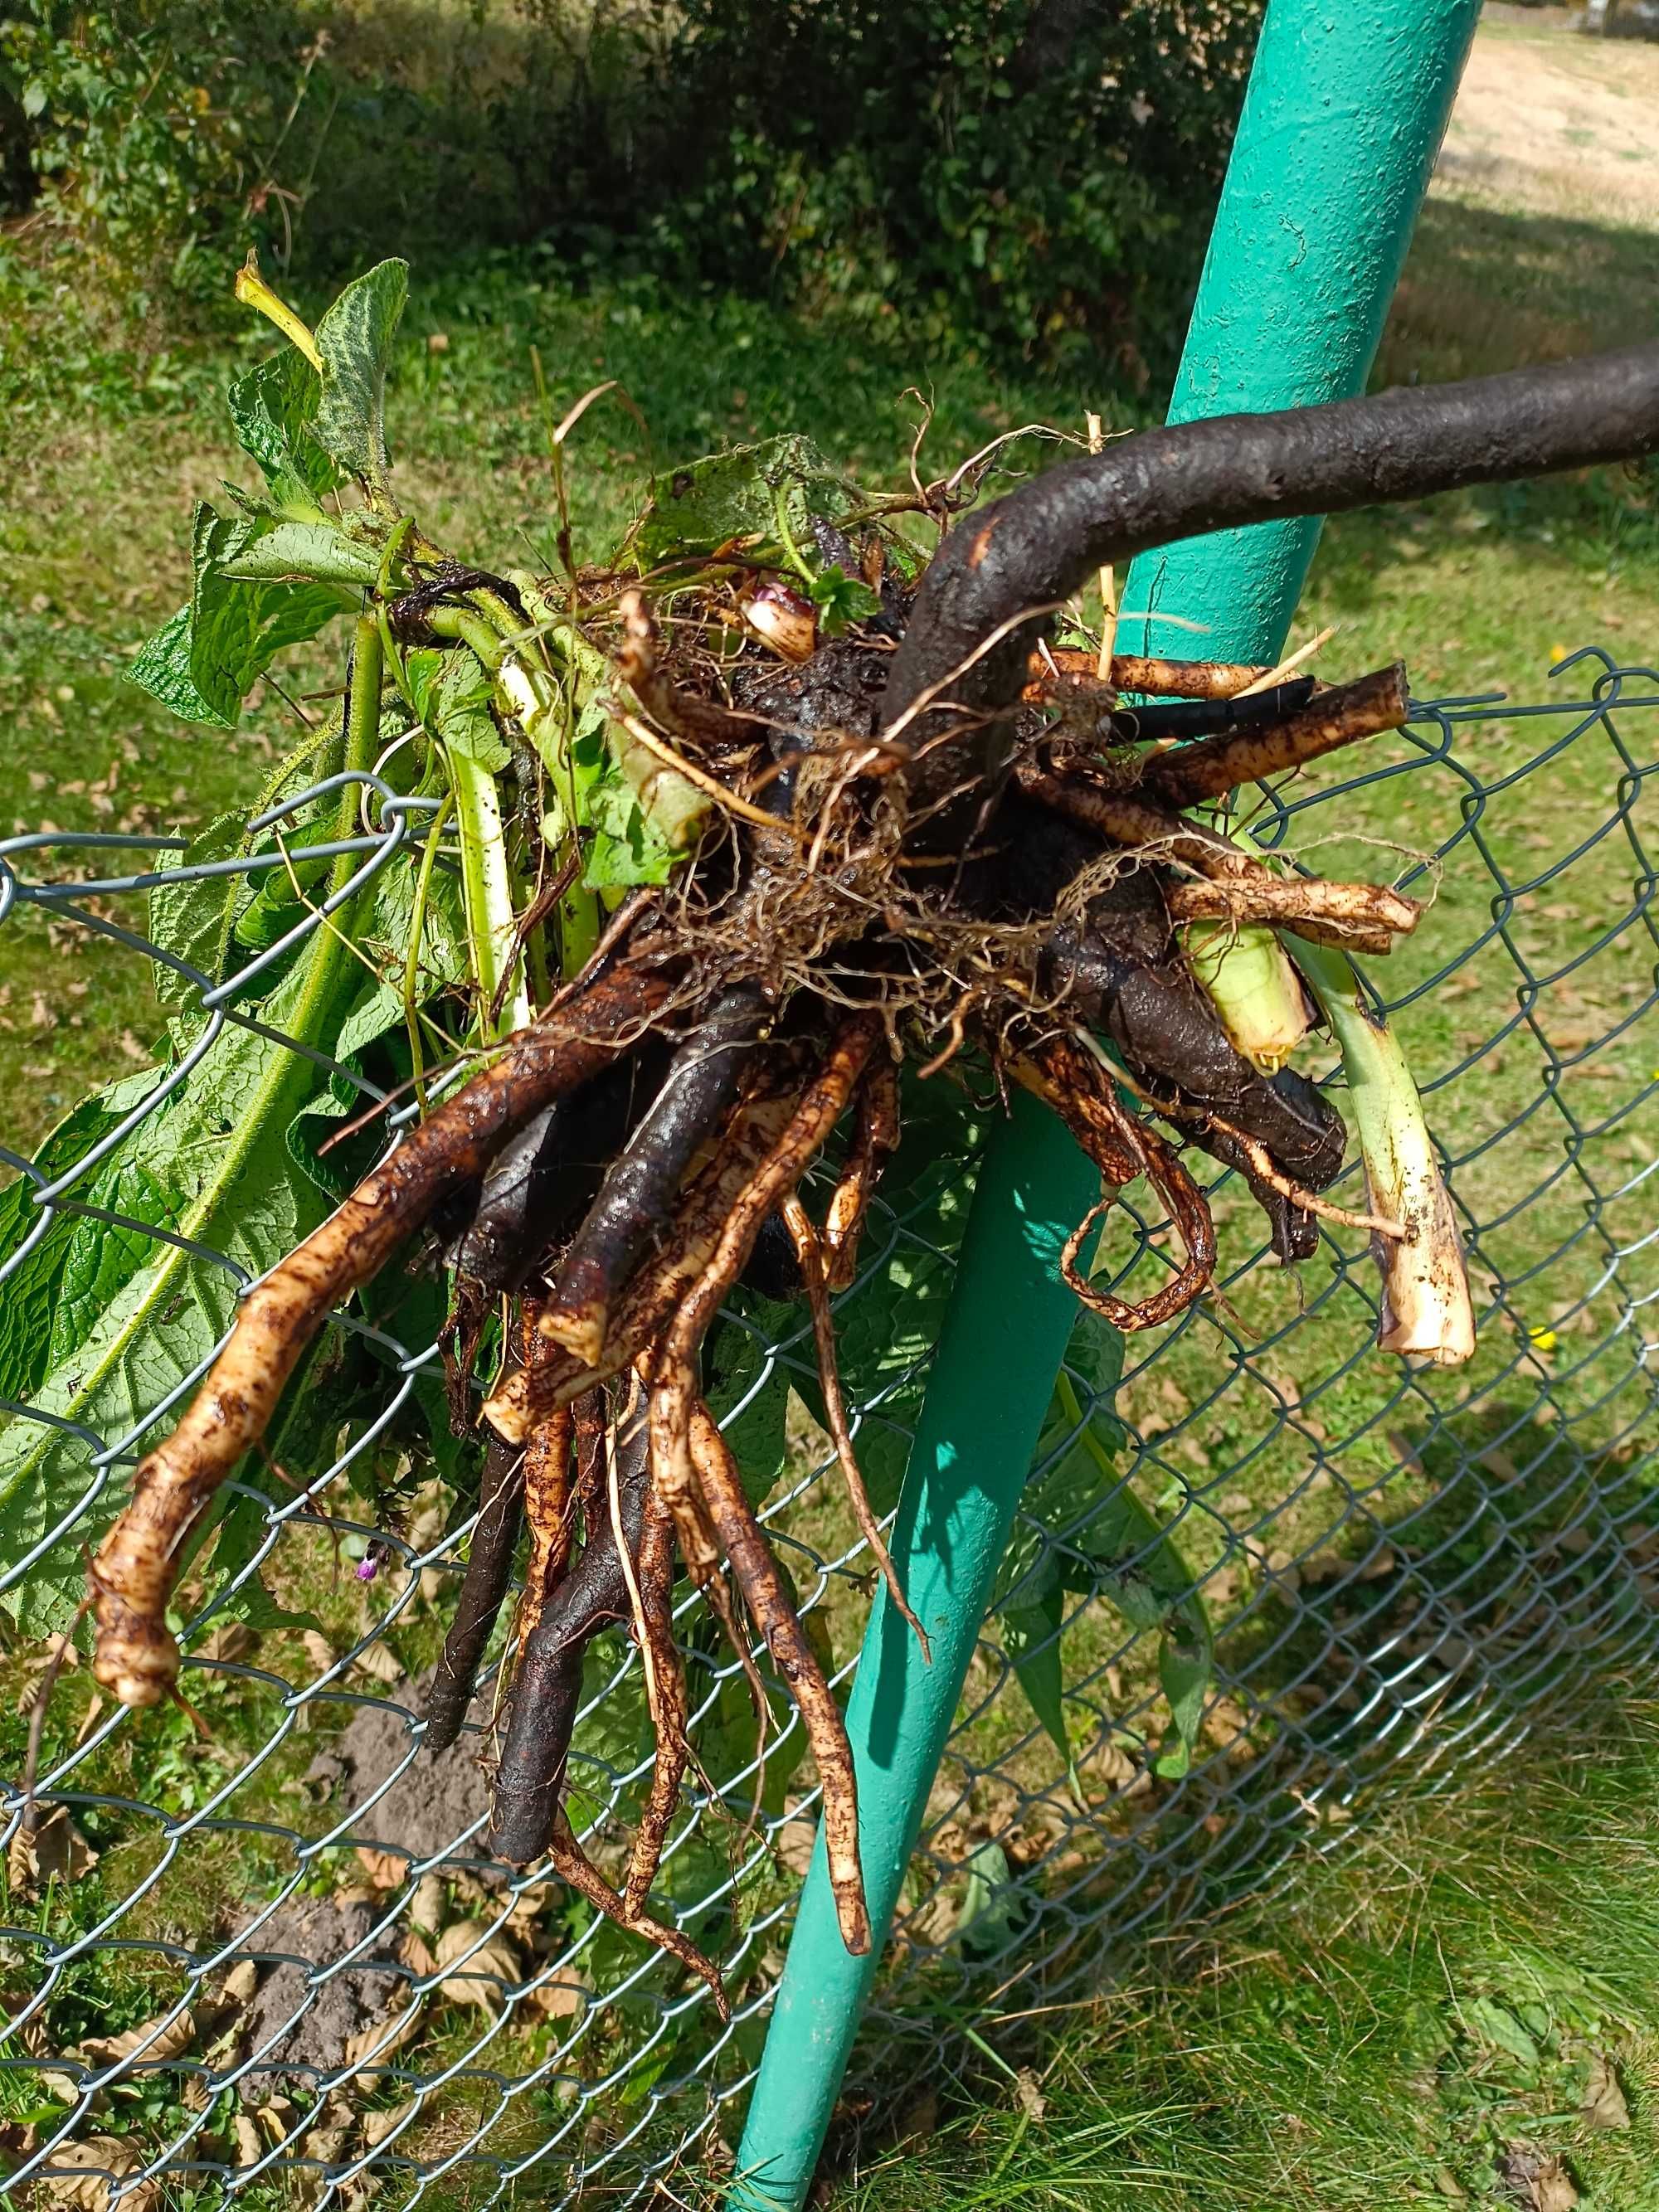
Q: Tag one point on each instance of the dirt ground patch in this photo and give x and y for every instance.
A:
(314, 2021)
(1554, 123)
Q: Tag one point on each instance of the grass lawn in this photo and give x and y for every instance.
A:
(1413, 2020)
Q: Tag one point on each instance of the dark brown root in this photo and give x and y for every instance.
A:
(766, 1596)
(547, 1685)
(636, 1197)
(809, 1253)
(132, 1575)
(483, 1588)
(655, 1290)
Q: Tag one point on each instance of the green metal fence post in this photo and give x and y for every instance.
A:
(1346, 105)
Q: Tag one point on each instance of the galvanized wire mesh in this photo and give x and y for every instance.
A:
(1400, 1570)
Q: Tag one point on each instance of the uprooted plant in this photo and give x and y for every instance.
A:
(696, 848)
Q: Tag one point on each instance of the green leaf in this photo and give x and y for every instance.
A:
(842, 600)
(273, 409)
(355, 340)
(195, 920)
(1082, 1528)
(30, 1292)
(735, 495)
(1031, 1638)
(994, 1908)
(320, 553)
(453, 691)
(203, 663)
(1495, 2025)
(623, 845)
(217, 1173)
(162, 669)
(253, 1604)
(1186, 1667)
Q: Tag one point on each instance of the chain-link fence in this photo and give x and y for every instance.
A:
(263, 1947)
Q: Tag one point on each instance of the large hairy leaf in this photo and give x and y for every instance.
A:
(203, 663)
(211, 1166)
(274, 410)
(355, 340)
(29, 1293)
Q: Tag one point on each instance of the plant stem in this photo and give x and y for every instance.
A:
(1426, 1312)
(1249, 980)
(412, 958)
(487, 894)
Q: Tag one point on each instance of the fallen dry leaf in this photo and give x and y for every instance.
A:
(78, 2174)
(56, 1851)
(57, 1649)
(326, 2139)
(153, 2041)
(373, 2046)
(416, 1953)
(428, 1904)
(386, 1870)
(275, 2118)
(1541, 2183)
(377, 2126)
(476, 1979)
(1028, 2094)
(234, 1640)
(249, 2148)
(1604, 2105)
(380, 1664)
(564, 1997)
(241, 1982)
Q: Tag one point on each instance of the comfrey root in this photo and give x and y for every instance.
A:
(934, 834)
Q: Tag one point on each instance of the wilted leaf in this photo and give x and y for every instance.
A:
(479, 1972)
(377, 2126)
(77, 2174)
(249, 2148)
(152, 2040)
(57, 1852)
(1604, 2105)
(374, 2046)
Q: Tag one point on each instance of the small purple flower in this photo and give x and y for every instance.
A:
(369, 1567)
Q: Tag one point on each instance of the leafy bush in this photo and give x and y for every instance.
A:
(1034, 171)
(149, 123)
(1038, 174)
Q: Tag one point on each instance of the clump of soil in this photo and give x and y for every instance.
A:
(325, 2015)
(439, 1807)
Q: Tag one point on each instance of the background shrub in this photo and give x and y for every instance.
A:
(1036, 175)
